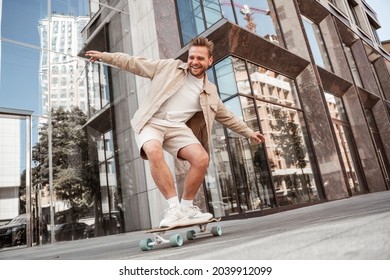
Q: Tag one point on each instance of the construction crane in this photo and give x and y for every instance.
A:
(248, 12)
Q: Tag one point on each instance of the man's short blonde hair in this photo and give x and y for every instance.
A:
(203, 42)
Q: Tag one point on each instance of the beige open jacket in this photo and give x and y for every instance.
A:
(167, 76)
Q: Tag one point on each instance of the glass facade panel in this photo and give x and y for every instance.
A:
(97, 87)
(348, 154)
(254, 15)
(19, 88)
(226, 78)
(221, 191)
(380, 150)
(248, 161)
(42, 72)
(288, 154)
(17, 16)
(317, 44)
(271, 86)
(237, 179)
(212, 11)
(336, 107)
(340, 5)
(281, 172)
(353, 66)
(346, 144)
(197, 15)
(354, 16)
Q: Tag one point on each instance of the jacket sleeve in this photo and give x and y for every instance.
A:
(228, 119)
(140, 66)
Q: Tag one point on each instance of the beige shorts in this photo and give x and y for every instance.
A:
(172, 139)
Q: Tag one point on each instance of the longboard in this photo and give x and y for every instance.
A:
(176, 240)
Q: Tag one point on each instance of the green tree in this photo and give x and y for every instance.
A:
(72, 170)
(290, 145)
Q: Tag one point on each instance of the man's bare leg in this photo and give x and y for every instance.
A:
(163, 178)
(196, 155)
(161, 174)
(198, 158)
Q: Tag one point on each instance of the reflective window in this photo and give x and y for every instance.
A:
(353, 7)
(255, 15)
(380, 150)
(317, 44)
(336, 107)
(196, 16)
(353, 66)
(221, 191)
(249, 161)
(346, 145)
(255, 177)
(271, 86)
(339, 4)
(226, 78)
(41, 71)
(289, 155)
(109, 188)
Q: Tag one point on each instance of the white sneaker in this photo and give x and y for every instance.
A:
(194, 215)
(174, 217)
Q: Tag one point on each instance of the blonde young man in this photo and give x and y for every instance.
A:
(177, 116)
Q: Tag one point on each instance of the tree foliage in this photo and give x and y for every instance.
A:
(72, 168)
(289, 139)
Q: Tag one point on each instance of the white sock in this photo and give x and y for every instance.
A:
(186, 203)
(173, 201)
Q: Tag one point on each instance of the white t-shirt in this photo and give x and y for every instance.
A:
(181, 106)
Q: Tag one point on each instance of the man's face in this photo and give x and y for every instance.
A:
(198, 61)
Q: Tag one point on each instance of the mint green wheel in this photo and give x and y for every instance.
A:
(191, 234)
(144, 244)
(216, 231)
(176, 240)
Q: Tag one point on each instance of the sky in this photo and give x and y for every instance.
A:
(382, 9)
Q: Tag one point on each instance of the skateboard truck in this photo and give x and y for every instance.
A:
(176, 240)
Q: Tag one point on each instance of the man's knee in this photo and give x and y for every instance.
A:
(203, 160)
(153, 150)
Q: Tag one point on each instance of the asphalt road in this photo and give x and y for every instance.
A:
(356, 228)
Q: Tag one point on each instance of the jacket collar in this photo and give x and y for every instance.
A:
(207, 86)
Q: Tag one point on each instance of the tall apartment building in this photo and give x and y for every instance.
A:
(312, 76)
(64, 80)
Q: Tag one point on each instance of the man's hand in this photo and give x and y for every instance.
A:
(94, 55)
(258, 137)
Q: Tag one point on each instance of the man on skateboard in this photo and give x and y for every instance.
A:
(177, 116)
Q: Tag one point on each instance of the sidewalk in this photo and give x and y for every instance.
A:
(357, 228)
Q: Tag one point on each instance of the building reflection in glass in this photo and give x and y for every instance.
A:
(245, 177)
(345, 144)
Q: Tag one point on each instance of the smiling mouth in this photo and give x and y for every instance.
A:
(196, 67)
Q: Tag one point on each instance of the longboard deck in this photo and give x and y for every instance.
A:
(163, 229)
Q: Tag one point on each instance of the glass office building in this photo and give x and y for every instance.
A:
(312, 76)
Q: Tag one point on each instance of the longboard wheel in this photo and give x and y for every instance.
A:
(176, 240)
(191, 235)
(144, 244)
(216, 231)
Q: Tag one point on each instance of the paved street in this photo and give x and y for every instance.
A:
(356, 228)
